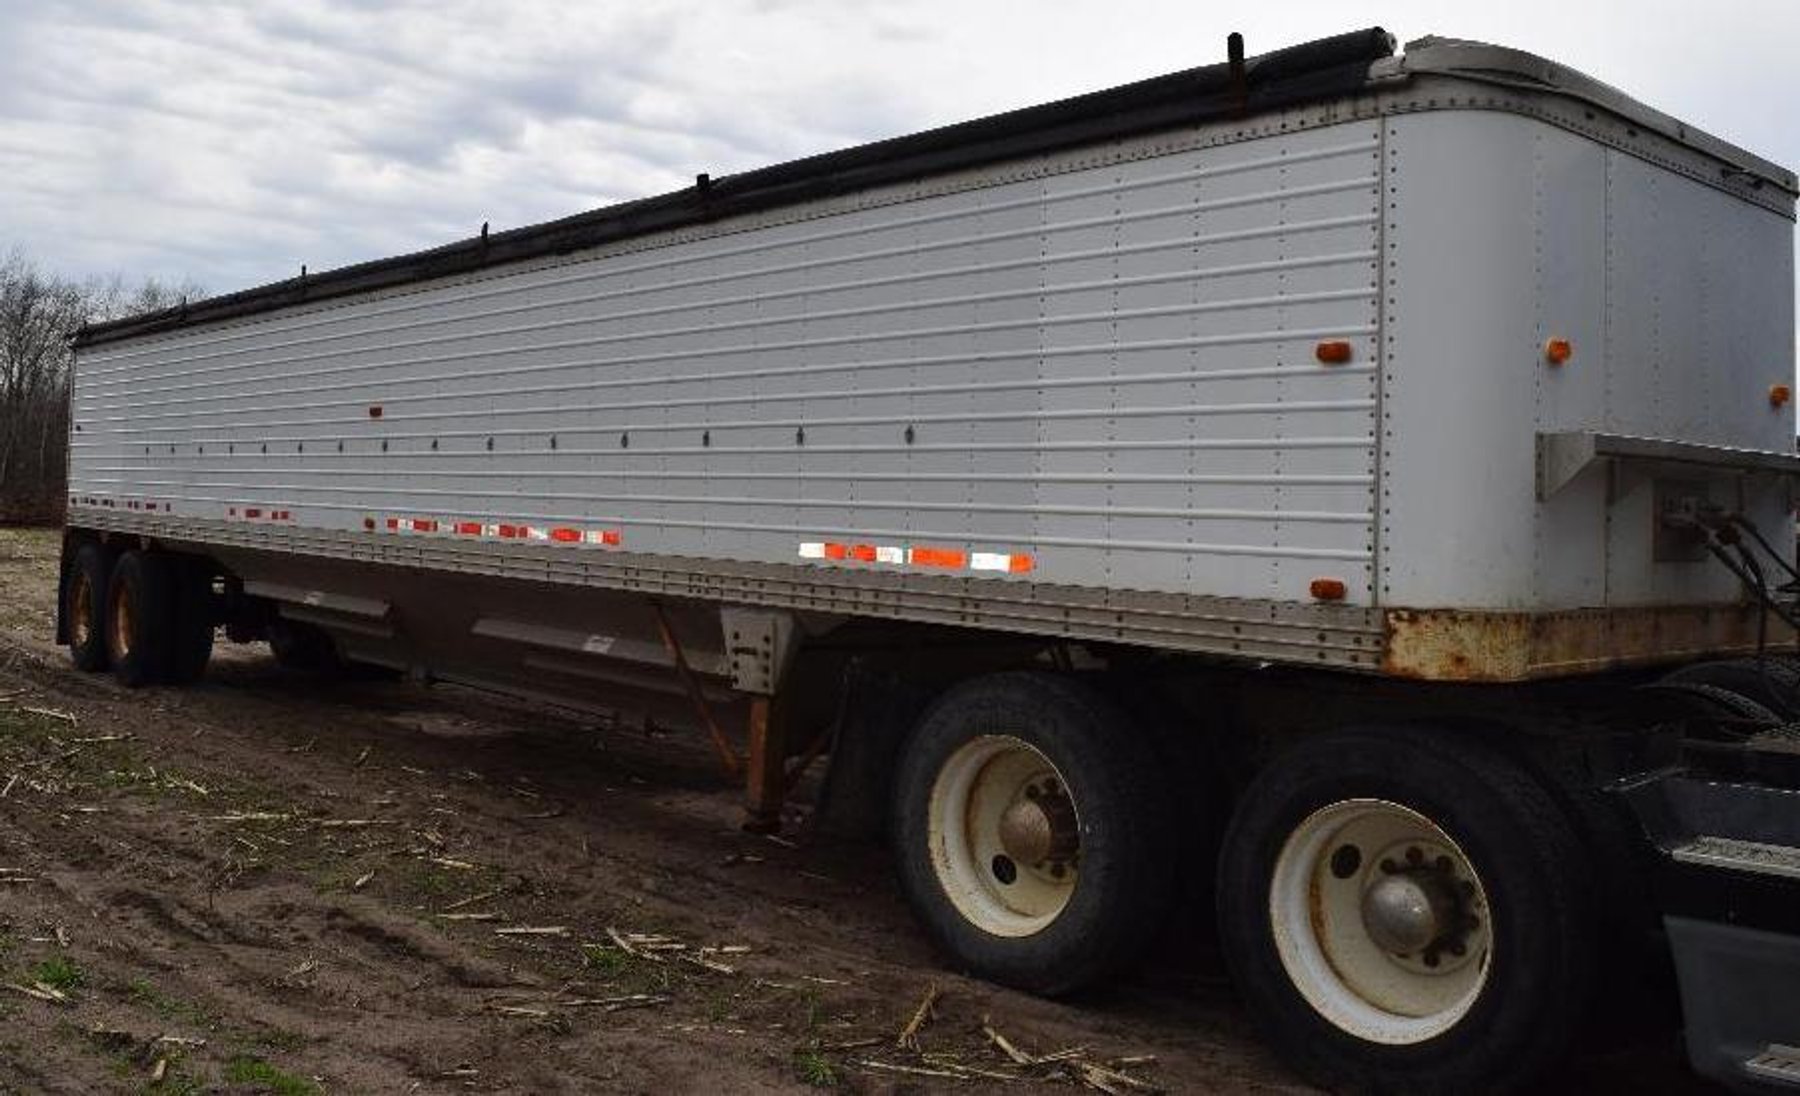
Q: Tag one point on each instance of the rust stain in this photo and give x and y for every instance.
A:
(1461, 645)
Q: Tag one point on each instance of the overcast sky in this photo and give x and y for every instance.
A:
(228, 143)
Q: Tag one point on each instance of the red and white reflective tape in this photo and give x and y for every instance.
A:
(940, 559)
(492, 530)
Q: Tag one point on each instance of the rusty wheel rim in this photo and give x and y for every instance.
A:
(81, 610)
(1381, 921)
(119, 622)
(1004, 836)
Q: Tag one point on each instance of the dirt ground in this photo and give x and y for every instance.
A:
(276, 883)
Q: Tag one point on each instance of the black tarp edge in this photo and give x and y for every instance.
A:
(1324, 69)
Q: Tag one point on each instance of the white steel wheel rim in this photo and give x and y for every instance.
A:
(972, 793)
(1322, 929)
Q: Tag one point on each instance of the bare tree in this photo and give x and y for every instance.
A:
(39, 312)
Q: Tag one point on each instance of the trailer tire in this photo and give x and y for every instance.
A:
(303, 647)
(194, 620)
(1774, 685)
(140, 619)
(1329, 832)
(84, 606)
(1077, 784)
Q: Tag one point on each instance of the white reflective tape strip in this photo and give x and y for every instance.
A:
(989, 561)
(490, 530)
(594, 536)
(532, 532)
(887, 553)
(812, 550)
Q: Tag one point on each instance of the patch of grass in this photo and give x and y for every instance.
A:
(278, 1039)
(58, 971)
(429, 881)
(812, 1010)
(132, 1060)
(248, 1070)
(134, 1064)
(631, 973)
(721, 1004)
(29, 728)
(813, 1068)
(603, 960)
(178, 1082)
(145, 994)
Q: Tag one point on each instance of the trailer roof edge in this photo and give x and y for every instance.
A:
(1321, 70)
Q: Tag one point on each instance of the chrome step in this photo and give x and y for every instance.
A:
(1776, 1063)
(1730, 852)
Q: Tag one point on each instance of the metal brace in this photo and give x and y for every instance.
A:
(759, 643)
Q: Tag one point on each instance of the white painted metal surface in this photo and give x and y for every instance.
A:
(1109, 368)
(1089, 370)
(1502, 233)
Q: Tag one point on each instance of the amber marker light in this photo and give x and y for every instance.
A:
(1328, 589)
(1779, 395)
(1333, 352)
(1558, 351)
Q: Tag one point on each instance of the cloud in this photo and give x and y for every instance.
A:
(230, 142)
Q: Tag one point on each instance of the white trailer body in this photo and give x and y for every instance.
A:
(1133, 412)
(1075, 392)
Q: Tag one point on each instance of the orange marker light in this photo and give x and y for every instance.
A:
(1328, 589)
(1335, 352)
(1558, 351)
(1779, 395)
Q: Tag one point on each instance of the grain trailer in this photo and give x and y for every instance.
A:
(1351, 484)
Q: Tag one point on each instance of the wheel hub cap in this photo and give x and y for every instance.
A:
(1039, 828)
(1406, 913)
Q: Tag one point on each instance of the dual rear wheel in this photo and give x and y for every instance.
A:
(1400, 909)
(1034, 832)
(148, 616)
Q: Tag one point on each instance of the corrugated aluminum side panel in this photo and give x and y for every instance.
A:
(1106, 363)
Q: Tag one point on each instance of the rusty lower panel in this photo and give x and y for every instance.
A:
(1462, 645)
